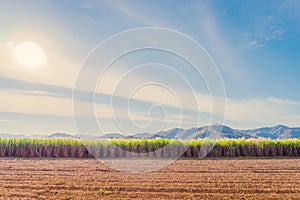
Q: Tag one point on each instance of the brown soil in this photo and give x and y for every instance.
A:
(184, 179)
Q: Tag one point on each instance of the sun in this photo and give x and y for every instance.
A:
(29, 54)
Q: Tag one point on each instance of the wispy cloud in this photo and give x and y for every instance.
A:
(284, 101)
(240, 113)
(255, 43)
(209, 27)
(137, 12)
(262, 112)
(267, 28)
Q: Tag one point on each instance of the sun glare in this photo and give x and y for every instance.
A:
(29, 54)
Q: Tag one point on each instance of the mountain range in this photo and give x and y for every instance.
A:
(214, 131)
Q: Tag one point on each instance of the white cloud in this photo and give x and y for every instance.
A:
(262, 112)
(255, 43)
(240, 113)
(12, 101)
(132, 11)
(267, 28)
(30, 103)
(283, 101)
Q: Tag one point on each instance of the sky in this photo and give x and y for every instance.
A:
(254, 46)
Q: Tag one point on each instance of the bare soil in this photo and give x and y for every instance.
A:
(184, 179)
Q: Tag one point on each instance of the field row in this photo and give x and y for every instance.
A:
(184, 179)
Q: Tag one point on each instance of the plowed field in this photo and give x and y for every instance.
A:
(184, 179)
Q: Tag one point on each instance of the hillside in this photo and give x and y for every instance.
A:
(215, 131)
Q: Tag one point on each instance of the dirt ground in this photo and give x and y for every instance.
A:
(184, 179)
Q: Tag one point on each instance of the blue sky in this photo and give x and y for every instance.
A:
(255, 45)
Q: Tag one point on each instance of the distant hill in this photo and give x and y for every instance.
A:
(142, 135)
(276, 132)
(8, 135)
(170, 134)
(213, 131)
(222, 131)
(113, 135)
(61, 135)
(189, 133)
